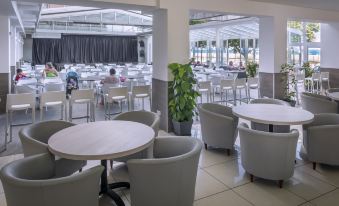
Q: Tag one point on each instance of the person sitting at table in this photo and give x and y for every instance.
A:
(241, 66)
(230, 66)
(50, 71)
(111, 79)
(19, 75)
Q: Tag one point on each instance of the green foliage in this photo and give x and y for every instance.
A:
(251, 69)
(197, 21)
(182, 95)
(289, 80)
(307, 69)
(235, 44)
(311, 30)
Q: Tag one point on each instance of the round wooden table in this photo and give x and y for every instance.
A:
(272, 114)
(103, 141)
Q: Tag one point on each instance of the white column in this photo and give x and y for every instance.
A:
(170, 45)
(273, 53)
(218, 47)
(329, 45)
(5, 44)
(13, 45)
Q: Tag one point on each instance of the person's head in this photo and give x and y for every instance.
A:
(19, 71)
(49, 65)
(240, 64)
(230, 63)
(112, 71)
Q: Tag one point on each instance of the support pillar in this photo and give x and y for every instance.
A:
(273, 53)
(329, 51)
(170, 45)
(5, 60)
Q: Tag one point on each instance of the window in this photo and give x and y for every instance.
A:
(303, 42)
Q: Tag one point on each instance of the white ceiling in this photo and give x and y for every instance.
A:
(332, 5)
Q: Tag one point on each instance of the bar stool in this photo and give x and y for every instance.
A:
(53, 87)
(84, 96)
(315, 80)
(324, 77)
(51, 99)
(205, 87)
(115, 94)
(252, 83)
(141, 92)
(239, 85)
(226, 85)
(17, 102)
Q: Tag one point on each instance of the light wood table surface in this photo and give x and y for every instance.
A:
(273, 114)
(103, 141)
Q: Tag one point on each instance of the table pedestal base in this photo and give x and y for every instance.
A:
(107, 189)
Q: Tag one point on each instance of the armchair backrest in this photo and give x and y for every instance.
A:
(317, 104)
(257, 146)
(34, 138)
(144, 117)
(170, 177)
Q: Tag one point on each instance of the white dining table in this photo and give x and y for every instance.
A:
(103, 140)
(272, 114)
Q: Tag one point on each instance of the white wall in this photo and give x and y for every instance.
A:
(329, 45)
(27, 49)
(5, 44)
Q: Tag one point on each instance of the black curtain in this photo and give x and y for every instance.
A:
(85, 49)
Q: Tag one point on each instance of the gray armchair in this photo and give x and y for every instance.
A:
(321, 142)
(168, 179)
(218, 126)
(34, 140)
(268, 155)
(31, 181)
(265, 127)
(317, 104)
(144, 117)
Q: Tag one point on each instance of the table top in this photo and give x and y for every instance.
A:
(273, 114)
(101, 140)
(334, 95)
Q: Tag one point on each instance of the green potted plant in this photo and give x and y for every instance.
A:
(182, 98)
(251, 69)
(290, 83)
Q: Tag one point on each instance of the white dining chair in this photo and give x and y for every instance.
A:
(115, 94)
(84, 96)
(141, 92)
(17, 102)
(53, 99)
(226, 86)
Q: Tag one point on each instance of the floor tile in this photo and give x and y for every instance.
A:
(215, 156)
(206, 185)
(231, 173)
(325, 173)
(330, 199)
(3, 200)
(267, 193)
(307, 186)
(220, 199)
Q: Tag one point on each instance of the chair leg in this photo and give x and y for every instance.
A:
(62, 112)
(70, 112)
(87, 112)
(10, 126)
(252, 177)
(281, 183)
(314, 165)
(41, 113)
(205, 146)
(111, 163)
(228, 152)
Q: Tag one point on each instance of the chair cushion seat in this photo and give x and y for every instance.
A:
(53, 103)
(253, 86)
(81, 101)
(20, 107)
(203, 90)
(119, 97)
(227, 88)
(141, 95)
